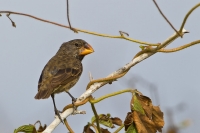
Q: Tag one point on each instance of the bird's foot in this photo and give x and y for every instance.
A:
(74, 107)
(57, 112)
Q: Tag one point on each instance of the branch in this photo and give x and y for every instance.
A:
(96, 116)
(84, 31)
(122, 126)
(111, 95)
(68, 126)
(154, 1)
(73, 29)
(187, 15)
(96, 86)
(180, 47)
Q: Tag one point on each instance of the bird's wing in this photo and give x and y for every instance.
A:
(56, 75)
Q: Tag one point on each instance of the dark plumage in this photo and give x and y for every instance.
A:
(63, 70)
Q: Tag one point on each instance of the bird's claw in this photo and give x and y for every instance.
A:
(57, 112)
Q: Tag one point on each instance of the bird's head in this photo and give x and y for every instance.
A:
(76, 48)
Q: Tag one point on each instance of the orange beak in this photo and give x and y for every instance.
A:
(87, 49)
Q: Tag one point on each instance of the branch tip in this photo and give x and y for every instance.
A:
(13, 23)
(90, 76)
(122, 33)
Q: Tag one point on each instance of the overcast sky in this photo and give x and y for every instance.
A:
(27, 48)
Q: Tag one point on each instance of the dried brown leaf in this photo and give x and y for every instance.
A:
(41, 128)
(128, 121)
(87, 129)
(145, 117)
(104, 130)
(157, 118)
(116, 121)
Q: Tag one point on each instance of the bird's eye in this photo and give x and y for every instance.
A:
(76, 44)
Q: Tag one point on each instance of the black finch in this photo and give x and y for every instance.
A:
(63, 70)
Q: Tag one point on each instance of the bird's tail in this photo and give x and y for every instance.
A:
(42, 94)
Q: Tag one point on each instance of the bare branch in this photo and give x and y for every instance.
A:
(69, 19)
(187, 15)
(180, 47)
(96, 116)
(84, 31)
(166, 18)
(13, 23)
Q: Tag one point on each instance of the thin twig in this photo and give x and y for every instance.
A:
(13, 23)
(118, 129)
(68, 126)
(69, 19)
(96, 116)
(90, 76)
(95, 128)
(122, 33)
(187, 15)
(111, 95)
(180, 47)
(84, 31)
(166, 18)
(68, 14)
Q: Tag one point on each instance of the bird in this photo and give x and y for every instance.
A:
(63, 70)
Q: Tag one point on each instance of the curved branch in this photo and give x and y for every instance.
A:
(111, 95)
(84, 31)
(187, 15)
(179, 48)
(122, 126)
(68, 126)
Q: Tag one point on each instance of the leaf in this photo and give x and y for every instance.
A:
(41, 128)
(136, 105)
(105, 131)
(26, 129)
(87, 129)
(144, 116)
(157, 117)
(128, 121)
(131, 129)
(117, 121)
(107, 120)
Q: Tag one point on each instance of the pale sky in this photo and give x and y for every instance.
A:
(27, 48)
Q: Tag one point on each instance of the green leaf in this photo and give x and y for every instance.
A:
(26, 129)
(104, 120)
(142, 47)
(137, 105)
(131, 129)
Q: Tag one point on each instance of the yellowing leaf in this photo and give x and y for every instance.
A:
(137, 105)
(26, 129)
(131, 129)
(116, 121)
(107, 120)
(145, 117)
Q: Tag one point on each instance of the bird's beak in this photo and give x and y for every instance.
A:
(87, 49)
